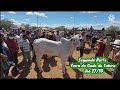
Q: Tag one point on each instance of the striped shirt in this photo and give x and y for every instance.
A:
(25, 45)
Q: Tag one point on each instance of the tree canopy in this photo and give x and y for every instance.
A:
(6, 23)
(112, 29)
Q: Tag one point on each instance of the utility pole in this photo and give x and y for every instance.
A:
(74, 24)
(37, 21)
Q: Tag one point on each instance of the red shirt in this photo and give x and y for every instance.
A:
(30, 39)
(18, 33)
(100, 48)
(38, 34)
(12, 45)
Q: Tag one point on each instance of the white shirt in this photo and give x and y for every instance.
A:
(84, 38)
(88, 33)
(57, 37)
(21, 36)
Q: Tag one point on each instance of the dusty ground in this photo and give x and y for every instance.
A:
(53, 69)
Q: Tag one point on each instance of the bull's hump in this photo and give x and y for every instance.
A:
(40, 39)
(46, 41)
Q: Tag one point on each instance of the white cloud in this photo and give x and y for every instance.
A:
(89, 12)
(36, 13)
(114, 23)
(2, 18)
(23, 22)
(29, 13)
(56, 25)
(27, 19)
(33, 24)
(95, 16)
(15, 22)
(44, 25)
(12, 12)
(40, 14)
(80, 26)
(2, 15)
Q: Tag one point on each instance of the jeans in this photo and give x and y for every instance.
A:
(81, 52)
(98, 55)
(14, 57)
(116, 73)
(4, 67)
(26, 56)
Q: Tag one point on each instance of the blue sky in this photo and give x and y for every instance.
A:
(97, 19)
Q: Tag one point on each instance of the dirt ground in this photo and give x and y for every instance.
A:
(52, 69)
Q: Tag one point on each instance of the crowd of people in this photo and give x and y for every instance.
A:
(9, 46)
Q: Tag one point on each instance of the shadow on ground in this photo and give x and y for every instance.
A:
(46, 65)
(26, 70)
(87, 51)
(39, 74)
(79, 74)
(107, 71)
(49, 62)
(66, 76)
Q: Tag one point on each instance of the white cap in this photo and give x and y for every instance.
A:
(116, 42)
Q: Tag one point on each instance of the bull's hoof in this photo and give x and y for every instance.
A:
(63, 73)
(40, 71)
(34, 58)
(65, 69)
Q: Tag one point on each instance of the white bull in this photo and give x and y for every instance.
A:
(62, 49)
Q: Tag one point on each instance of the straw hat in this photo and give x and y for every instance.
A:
(116, 44)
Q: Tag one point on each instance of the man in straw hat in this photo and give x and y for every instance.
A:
(116, 46)
(100, 46)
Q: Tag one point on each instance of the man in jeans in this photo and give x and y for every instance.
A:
(25, 48)
(13, 47)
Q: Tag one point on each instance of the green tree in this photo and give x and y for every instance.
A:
(62, 28)
(26, 26)
(112, 29)
(6, 23)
